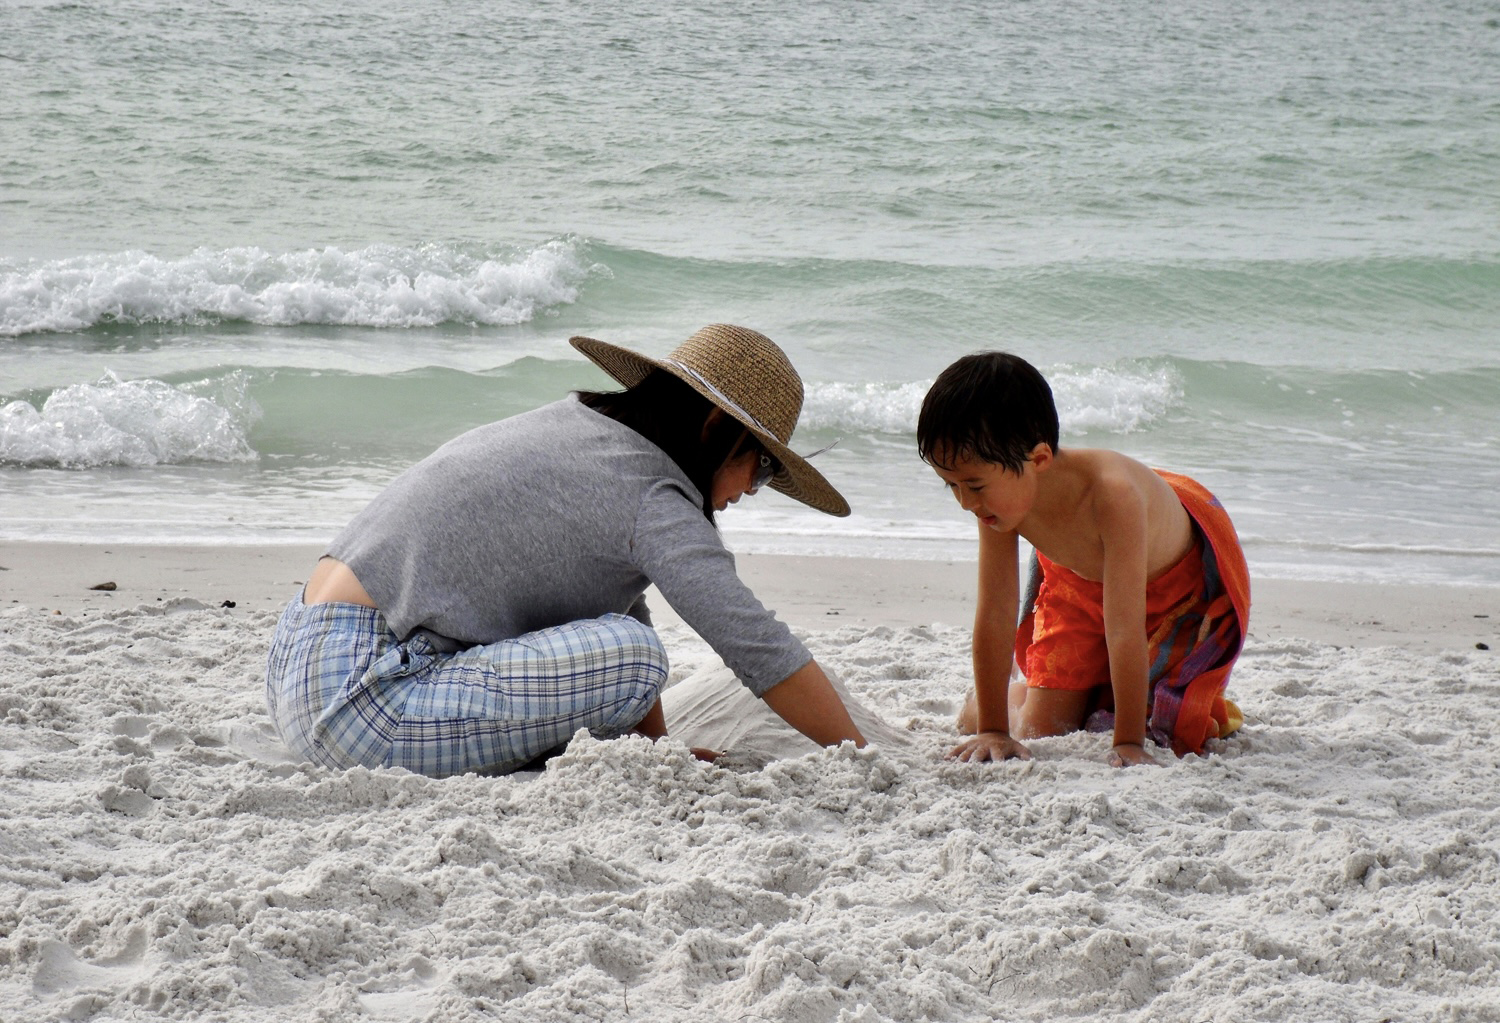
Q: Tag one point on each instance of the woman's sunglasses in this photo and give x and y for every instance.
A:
(767, 468)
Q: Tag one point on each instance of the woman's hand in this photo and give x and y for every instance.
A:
(995, 746)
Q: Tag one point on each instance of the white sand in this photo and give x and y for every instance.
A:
(162, 855)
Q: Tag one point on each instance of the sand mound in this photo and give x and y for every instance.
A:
(162, 855)
(711, 709)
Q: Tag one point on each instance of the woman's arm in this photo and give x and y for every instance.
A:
(807, 701)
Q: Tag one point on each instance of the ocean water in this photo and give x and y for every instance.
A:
(257, 257)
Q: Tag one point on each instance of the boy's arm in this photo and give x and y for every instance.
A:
(1122, 529)
(993, 651)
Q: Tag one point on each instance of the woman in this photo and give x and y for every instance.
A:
(489, 602)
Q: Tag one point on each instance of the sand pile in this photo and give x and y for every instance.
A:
(160, 852)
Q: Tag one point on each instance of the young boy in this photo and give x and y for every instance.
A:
(1139, 596)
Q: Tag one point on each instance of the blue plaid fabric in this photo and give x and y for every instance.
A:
(343, 690)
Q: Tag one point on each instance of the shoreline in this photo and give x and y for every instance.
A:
(810, 593)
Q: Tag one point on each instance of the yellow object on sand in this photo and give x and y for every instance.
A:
(1233, 718)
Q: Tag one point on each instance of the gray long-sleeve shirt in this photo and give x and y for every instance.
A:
(548, 517)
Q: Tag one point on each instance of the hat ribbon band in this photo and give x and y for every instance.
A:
(728, 402)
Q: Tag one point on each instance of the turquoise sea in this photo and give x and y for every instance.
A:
(258, 256)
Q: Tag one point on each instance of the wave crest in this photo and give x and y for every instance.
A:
(134, 423)
(377, 286)
(1112, 399)
(1104, 399)
(865, 408)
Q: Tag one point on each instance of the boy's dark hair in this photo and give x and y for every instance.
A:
(991, 406)
(670, 414)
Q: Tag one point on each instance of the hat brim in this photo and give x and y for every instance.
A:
(797, 479)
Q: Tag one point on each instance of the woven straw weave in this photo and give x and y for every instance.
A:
(744, 373)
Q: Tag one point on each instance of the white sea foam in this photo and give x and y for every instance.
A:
(1105, 399)
(1113, 399)
(865, 408)
(133, 423)
(377, 286)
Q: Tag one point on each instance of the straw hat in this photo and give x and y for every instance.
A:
(745, 374)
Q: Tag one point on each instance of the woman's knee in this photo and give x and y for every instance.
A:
(640, 649)
(640, 672)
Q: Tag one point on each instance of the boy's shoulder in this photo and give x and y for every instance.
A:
(1112, 468)
(1106, 488)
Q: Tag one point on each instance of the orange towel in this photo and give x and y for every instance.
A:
(1197, 615)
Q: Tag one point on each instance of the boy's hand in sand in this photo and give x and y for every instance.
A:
(708, 756)
(989, 746)
(1130, 754)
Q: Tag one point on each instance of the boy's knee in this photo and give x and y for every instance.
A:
(968, 716)
(1050, 712)
(967, 722)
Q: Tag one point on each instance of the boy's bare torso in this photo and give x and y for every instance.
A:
(1078, 508)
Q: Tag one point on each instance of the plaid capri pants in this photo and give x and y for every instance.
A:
(342, 690)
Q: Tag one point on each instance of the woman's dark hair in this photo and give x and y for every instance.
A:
(992, 406)
(670, 414)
